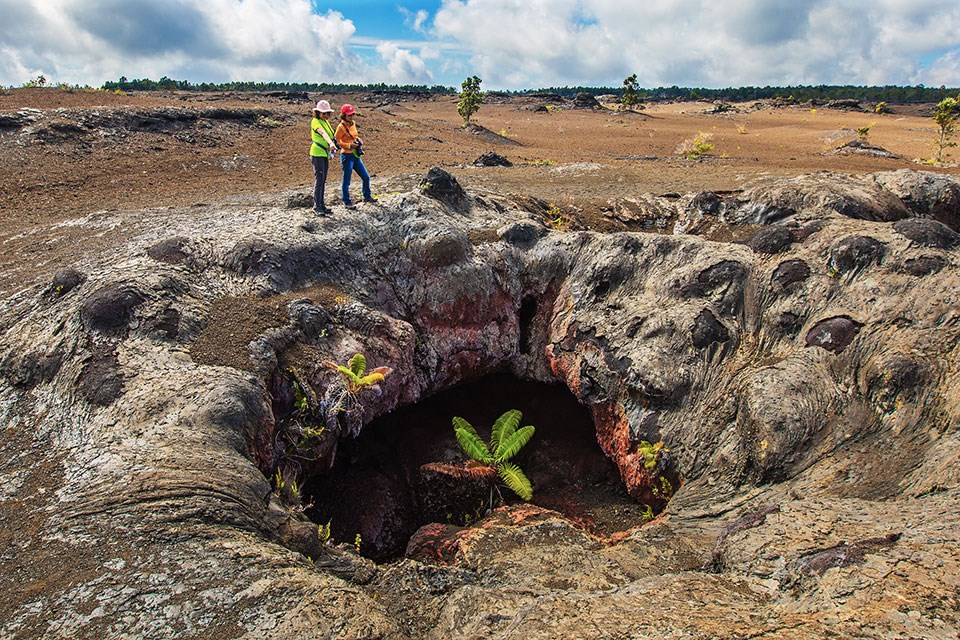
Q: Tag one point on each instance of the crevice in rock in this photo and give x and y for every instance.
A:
(528, 311)
(379, 490)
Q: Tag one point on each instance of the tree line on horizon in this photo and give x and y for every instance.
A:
(800, 93)
(168, 84)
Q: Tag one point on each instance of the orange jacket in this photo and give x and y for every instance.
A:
(347, 136)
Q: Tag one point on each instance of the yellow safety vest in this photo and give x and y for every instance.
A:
(319, 146)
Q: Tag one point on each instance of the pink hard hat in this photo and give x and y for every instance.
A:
(347, 110)
(323, 107)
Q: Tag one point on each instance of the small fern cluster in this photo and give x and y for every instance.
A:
(323, 532)
(355, 376)
(306, 419)
(289, 491)
(555, 218)
(651, 452)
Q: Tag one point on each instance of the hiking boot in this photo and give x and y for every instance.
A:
(350, 205)
(322, 212)
(370, 199)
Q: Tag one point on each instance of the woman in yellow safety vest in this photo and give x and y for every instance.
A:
(322, 149)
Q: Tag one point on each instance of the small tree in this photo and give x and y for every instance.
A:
(470, 98)
(945, 115)
(630, 88)
(39, 81)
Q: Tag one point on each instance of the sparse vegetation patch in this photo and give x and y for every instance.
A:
(695, 147)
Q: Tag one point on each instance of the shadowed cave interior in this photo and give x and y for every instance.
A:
(378, 490)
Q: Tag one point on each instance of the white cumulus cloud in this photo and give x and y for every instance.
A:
(541, 43)
(944, 71)
(403, 66)
(416, 20)
(90, 41)
(510, 44)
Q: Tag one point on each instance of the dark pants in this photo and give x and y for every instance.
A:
(352, 163)
(320, 168)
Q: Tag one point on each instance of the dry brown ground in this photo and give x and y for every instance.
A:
(580, 160)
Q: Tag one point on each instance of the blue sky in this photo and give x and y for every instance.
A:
(510, 44)
(378, 19)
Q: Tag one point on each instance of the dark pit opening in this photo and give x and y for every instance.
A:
(377, 488)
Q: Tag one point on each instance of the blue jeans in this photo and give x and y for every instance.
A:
(352, 163)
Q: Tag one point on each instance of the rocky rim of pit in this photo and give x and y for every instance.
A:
(797, 365)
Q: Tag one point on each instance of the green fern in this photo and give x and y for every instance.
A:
(323, 532)
(503, 428)
(470, 442)
(358, 364)
(651, 453)
(516, 480)
(512, 445)
(461, 424)
(505, 442)
(306, 419)
(647, 513)
(355, 376)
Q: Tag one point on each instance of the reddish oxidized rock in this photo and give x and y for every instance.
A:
(434, 542)
(650, 486)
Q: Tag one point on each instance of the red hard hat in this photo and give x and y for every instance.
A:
(347, 110)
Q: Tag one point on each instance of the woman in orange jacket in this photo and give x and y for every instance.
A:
(351, 147)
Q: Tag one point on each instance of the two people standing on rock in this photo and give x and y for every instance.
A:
(325, 142)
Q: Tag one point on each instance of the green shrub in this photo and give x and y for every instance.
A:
(696, 146)
(630, 94)
(39, 81)
(863, 132)
(945, 116)
(470, 98)
(267, 122)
